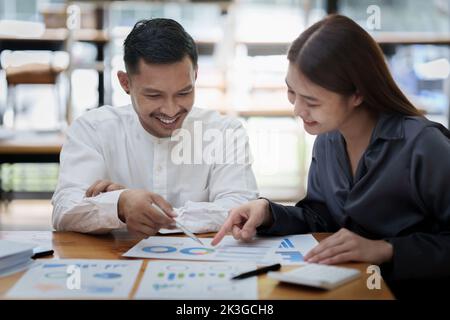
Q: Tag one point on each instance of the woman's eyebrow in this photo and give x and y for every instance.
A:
(310, 98)
(302, 95)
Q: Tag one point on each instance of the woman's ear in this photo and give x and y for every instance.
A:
(124, 81)
(356, 99)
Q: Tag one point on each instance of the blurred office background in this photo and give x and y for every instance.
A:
(242, 65)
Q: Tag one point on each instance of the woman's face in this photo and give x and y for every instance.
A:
(320, 109)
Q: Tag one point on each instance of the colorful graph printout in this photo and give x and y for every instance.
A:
(194, 280)
(288, 250)
(73, 278)
(183, 248)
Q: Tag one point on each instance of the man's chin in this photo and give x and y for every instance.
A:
(161, 132)
(160, 129)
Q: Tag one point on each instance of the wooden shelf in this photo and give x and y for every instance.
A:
(266, 113)
(411, 38)
(263, 112)
(380, 37)
(59, 35)
(32, 143)
(97, 66)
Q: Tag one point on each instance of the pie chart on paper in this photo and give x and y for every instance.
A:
(197, 251)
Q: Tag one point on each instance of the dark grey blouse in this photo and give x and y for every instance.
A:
(400, 193)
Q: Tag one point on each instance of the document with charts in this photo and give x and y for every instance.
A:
(286, 250)
(183, 248)
(193, 280)
(77, 279)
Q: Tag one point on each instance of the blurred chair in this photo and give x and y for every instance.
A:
(41, 66)
(31, 74)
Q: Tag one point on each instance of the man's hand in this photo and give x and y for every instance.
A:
(243, 221)
(100, 186)
(136, 210)
(345, 246)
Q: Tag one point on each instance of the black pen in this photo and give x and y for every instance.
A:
(262, 270)
(42, 253)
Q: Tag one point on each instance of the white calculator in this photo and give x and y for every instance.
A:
(317, 275)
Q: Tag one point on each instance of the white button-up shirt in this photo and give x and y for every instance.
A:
(110, 143)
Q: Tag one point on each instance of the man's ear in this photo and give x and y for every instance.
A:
(124, 81)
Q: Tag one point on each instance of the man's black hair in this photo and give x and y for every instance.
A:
(160, 41)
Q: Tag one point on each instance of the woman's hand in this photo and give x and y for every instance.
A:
(243, 221)
(345, 246)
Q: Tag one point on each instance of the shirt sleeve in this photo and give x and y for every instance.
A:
(309, 215)
(81, 164)
(231, 183)
(426, 255)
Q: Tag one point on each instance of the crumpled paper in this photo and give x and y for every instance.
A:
(199, 217)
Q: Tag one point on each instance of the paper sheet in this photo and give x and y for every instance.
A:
(292, 249)
(288, 250)
(183, 248)
(194, 280)
(77, 279)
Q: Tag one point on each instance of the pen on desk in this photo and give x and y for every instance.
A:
(256, 272)
(180, 226)
(41, 254)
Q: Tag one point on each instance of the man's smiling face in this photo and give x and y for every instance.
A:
(162, 94)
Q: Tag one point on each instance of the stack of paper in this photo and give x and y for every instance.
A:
(14, 256)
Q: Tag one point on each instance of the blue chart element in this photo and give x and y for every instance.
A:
(172, 276)
(286, 243)
(57, 275)
(94, 289)
(293, 256)
(196, 251)
(54, 265)
(108, 275)
(191, 275)
(159, 249)
(167, 286)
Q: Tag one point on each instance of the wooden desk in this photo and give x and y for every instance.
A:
(112, 246)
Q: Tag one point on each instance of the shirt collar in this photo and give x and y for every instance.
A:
(388, 127)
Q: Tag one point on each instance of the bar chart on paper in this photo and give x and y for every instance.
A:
(292, 249)
(193, 280)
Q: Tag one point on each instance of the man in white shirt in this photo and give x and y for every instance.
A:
(117, 161)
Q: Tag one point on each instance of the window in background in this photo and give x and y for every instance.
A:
(204, 21)
(257, 68)
(242, 65)
(402, 15)
(421, 70)
(281, 155)
(37, 103)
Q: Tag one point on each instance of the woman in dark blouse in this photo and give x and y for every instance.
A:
(380, 171)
